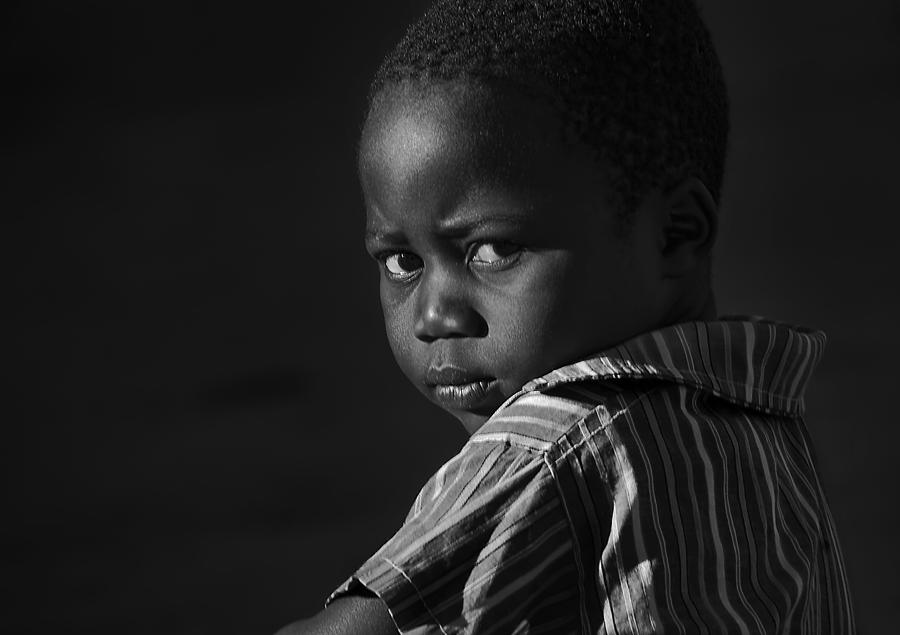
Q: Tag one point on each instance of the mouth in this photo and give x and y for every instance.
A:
(457, 389)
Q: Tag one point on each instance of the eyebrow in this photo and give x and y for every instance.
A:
(456, 227)
(452, 228)
(390, 236)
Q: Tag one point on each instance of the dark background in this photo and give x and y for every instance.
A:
(207, 432)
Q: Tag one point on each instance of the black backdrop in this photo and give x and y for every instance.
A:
(206, 430)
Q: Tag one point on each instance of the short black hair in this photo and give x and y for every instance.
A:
(638, 81)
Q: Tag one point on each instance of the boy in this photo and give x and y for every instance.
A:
(541, 181)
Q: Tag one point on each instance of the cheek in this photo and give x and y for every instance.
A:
(399, 329)
(572, 305)
(532, 318)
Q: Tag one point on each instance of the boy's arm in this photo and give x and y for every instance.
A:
(348, 615)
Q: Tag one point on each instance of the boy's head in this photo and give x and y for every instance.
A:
(541, 181)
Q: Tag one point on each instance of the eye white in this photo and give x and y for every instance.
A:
(402, 264)
(493, 252)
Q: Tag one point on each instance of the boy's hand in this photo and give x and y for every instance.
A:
(349, 615)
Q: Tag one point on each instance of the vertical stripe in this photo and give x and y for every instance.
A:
(711, 510)
(750, 338)
(585, 605)
(676, 518)
(687, 461)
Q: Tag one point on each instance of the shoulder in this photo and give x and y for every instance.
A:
(536, 420)
(623, 426)
(652, 438)
(550, 420)
(488, 472)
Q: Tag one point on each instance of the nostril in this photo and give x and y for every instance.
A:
(449, 320)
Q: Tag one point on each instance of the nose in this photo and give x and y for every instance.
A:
(444, 310)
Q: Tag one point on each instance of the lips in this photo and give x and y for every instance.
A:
(455, 388)
(451, 376)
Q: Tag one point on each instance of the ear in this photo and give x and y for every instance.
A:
(689, 227)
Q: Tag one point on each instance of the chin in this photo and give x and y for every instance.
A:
(471, 421)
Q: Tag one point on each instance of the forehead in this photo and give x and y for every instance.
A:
(491, 126)
(437, 145)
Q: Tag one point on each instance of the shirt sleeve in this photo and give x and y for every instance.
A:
(486, 543)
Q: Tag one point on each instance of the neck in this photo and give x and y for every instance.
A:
(708, 311)
(697, 307)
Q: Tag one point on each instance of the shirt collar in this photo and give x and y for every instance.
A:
(750, 361)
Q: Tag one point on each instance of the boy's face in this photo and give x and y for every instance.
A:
(501, 258)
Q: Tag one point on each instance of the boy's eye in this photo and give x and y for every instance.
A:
(402, 264)
(496, 254)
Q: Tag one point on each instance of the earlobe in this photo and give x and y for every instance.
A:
(690, 226)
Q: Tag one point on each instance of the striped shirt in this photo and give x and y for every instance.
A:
(666, 485)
